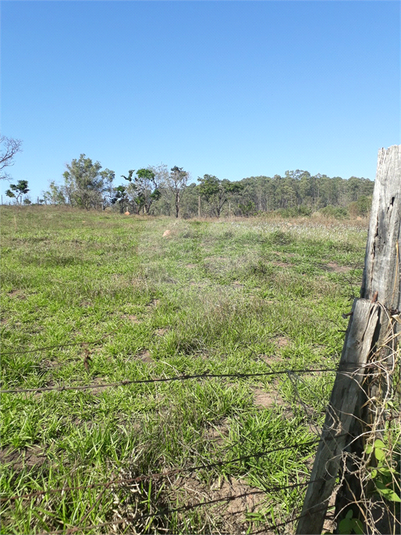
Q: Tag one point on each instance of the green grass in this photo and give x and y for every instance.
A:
(217, 297)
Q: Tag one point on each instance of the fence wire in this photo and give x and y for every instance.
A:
(116, 485)
(206, 375)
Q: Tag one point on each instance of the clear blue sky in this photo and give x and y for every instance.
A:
(228, 88)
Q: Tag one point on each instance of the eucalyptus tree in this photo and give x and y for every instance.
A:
(175, 182)
(217, 192)
(85, 183)
(143, 188)
(189, 201)
(108, 177)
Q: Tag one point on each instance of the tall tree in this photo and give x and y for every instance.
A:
(217, 192)
(176, 182)
(108, 177)
(9, 148)
(18, 190)
(189, 201)
(144, 188)
(85, 183)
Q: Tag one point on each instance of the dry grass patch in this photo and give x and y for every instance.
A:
(17, 294)
(161, 332)
(145, 356)
(132, 318)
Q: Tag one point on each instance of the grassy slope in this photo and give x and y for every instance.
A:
(242, 296)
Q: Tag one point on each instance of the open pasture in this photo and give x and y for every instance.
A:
(247, 306)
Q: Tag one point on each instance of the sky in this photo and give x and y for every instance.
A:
(227, 88)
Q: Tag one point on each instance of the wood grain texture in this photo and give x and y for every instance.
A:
(383, 255)
(340, 417)
(368, 326)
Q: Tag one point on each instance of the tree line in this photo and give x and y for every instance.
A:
(157, 190)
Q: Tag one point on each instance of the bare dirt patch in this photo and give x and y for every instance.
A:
(16, 294)
(132, 318)
(190, 266)
(282, 341)
(161, 332)
(264, 399)
(231, 500)
(332, 266)
(28, 457)
(272, 400)
(270, 359)
(267, 400)
(97, 390)
(145, 356)
(214, 259)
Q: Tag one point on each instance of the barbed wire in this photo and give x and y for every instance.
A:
(275, 526)
(159, 475)
(185, 508)
(124, 382)
(182, 509)
(292, 374)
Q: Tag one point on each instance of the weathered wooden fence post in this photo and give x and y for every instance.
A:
(350, 408)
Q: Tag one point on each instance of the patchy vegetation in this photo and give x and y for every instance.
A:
(92, 298)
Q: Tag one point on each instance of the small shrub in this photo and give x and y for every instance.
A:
(361, 207)
(335, 212)
(279, 237)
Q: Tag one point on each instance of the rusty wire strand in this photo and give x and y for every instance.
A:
(178, 378)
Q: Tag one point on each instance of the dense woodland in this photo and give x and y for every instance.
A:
(157, 190)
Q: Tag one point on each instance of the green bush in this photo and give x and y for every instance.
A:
(361, 207)
(336, 212)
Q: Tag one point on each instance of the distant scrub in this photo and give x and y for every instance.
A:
(336, 212)
(295, 211)
(158, 191)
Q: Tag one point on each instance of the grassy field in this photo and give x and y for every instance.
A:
(91, 298)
